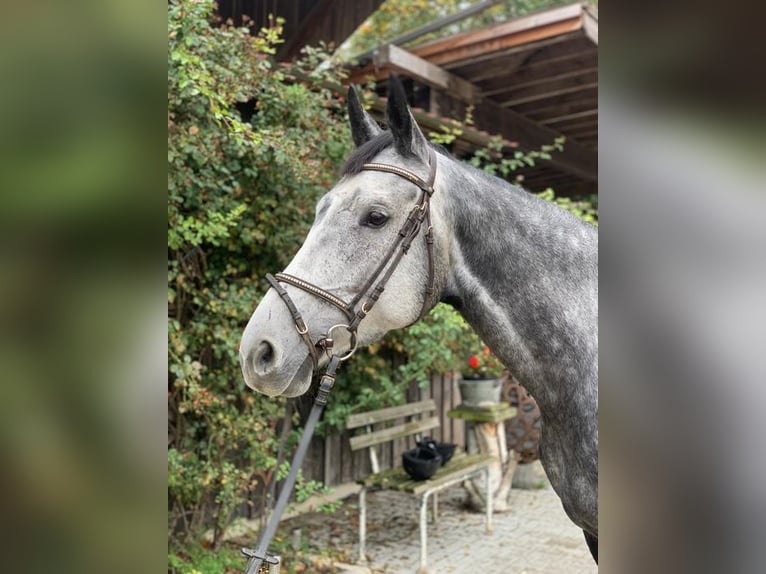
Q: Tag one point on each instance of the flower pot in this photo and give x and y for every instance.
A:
(480, 392)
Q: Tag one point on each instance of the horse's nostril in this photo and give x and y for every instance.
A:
(264, 357)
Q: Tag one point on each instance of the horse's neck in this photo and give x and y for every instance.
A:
(524, 275)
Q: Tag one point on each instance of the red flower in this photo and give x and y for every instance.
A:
(473, 362)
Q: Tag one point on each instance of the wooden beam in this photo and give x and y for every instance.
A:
(585, 135)
(578, 135)
(575, 159)
(544, 95)
(541, 114)
(493, 117)
(590, 26)
(547, 46)
(558, 119)
(539, 83)
(566, 43)
(576, 124)
(542, 109)
(400, 60)
(592, 128)
(542, 23)
(542, 63)
(459, 53)
(515, 130)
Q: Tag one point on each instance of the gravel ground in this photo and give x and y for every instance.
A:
(535, 537)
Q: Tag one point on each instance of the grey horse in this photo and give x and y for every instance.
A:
(521, 271)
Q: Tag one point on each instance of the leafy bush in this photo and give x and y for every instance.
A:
(380, 375)
(250, 151)
(586, 208)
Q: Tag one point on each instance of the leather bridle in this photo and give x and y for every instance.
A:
(368, 295)
(355, 313)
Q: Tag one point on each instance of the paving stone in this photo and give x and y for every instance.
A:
(534, 537)
(344, 568)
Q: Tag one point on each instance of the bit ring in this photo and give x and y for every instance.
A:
(351, 351)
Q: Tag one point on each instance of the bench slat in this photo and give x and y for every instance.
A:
(392, 433)
(469, 466)
(381, 415)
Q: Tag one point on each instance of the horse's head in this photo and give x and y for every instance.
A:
(359, 233)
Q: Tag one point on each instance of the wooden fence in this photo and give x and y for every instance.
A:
(330, 459)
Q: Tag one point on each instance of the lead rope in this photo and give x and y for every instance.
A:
(286, 428)
(259, 555)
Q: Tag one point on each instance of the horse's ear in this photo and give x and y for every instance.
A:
(408, 138)
(363, 127)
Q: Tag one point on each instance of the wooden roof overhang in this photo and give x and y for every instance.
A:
(530, 80)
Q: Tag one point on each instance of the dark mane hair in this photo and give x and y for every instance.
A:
(368, 151)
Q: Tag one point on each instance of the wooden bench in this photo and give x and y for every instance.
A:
(417, 418)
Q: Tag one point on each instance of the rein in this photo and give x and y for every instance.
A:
(355, 314)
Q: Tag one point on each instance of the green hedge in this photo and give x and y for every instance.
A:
(241, 196)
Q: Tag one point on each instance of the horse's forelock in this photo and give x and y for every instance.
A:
(368, 151)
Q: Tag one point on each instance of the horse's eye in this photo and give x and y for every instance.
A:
(375, 219)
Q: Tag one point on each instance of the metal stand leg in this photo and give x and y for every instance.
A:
(423, 533)
(362, 523)
(488, 501)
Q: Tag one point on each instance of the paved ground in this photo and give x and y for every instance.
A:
(535, 537)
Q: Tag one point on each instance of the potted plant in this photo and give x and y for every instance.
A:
(482, 378)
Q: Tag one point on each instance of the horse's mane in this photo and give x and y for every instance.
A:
(368, 151)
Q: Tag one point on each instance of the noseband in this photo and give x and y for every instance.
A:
(376, 284)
